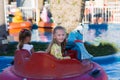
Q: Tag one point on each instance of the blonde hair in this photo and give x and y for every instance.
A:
(63, 44)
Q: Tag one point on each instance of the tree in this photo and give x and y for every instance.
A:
(67, 13)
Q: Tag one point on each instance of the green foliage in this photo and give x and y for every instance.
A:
(58, 1)
(10, 49)
(74, 3)
(38, 46)
(104, 48)
(13, 46)
(48, 1)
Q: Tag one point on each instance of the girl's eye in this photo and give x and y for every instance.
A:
(63, 34)
(58, 34)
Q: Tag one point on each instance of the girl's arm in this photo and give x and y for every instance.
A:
(32, 50)
(56, 51)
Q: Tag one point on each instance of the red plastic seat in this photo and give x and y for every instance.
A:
(43, 65)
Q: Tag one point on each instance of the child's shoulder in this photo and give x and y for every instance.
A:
(27, 45)
(54, 44)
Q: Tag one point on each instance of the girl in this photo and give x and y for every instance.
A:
(24, 39)
(57, 46)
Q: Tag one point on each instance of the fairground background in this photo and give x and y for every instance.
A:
(100, 19)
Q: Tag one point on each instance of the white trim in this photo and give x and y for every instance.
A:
(5, 12)
(37, 13)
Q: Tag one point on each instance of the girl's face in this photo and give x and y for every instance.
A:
(59, 35)
(27, 39)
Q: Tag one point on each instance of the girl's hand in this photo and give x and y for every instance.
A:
(67, 57)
